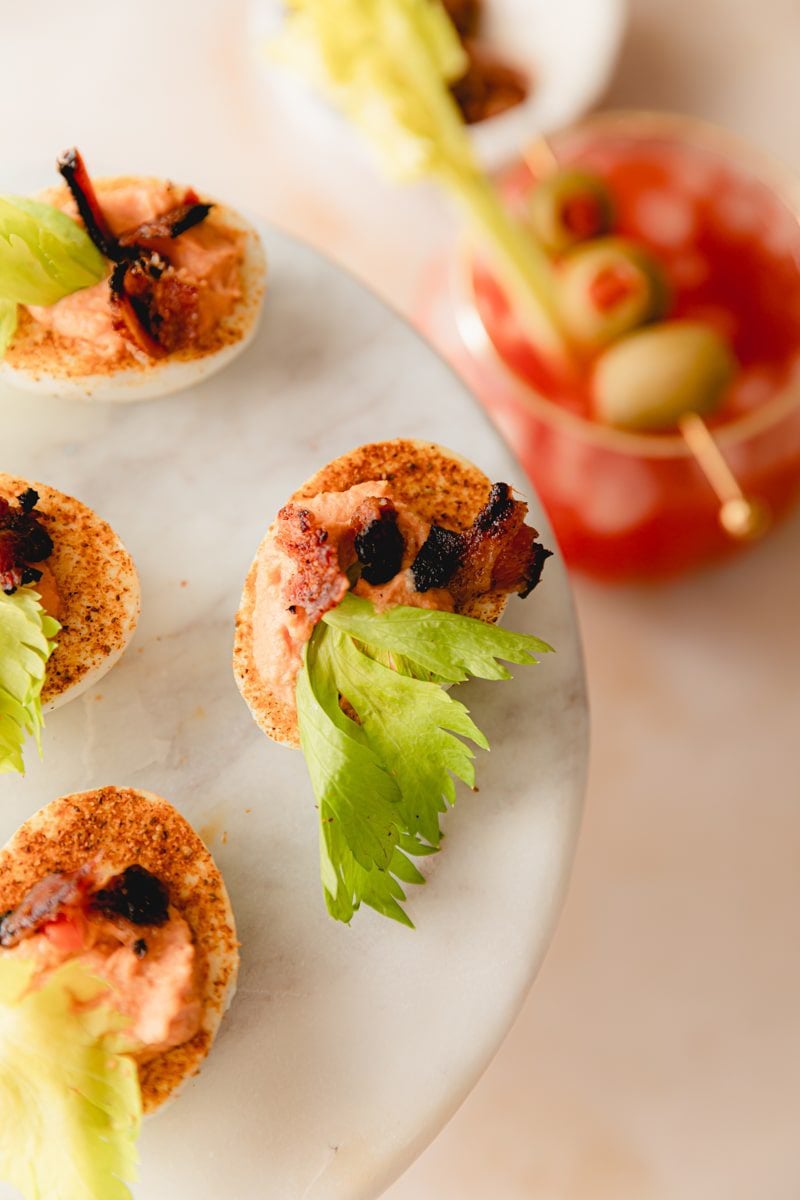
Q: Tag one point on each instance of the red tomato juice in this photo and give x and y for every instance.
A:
(627, 505)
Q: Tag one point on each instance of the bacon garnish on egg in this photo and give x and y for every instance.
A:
(318, 583)
(23, 540)
(498, 553)
(156, 306)
(378, 542)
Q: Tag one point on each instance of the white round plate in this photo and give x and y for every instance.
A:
(567, 49)
(346, 1048)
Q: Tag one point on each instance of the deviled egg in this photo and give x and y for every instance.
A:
(181, 296)
(69, 604)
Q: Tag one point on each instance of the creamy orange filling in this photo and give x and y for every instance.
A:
(207, 255)
(151, 971)
(48, 591)
(279, 635)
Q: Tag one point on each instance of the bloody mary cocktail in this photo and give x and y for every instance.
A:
(715, 219)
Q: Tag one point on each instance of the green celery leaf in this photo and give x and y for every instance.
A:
(26, 643)
(8, 324)
(70, 1105)
(379, 887)
(357, 799)
(410, 723)
(44, 254)
(449, 646)
(382, 781)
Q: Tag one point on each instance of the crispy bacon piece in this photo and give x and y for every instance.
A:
(496, 549)
(52, 897)
(499, 552)
(71, 165)
(23, 540)
(318, 582)
(125, 247)
(378, 543)
(169, 225)
(128, 321)
(172, 303)
(134, 895)
(155, 306)
(438, 559)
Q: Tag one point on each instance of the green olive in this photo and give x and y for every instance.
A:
(650, 379)
(607, 288)
(569, 207)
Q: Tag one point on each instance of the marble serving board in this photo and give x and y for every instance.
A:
(346, 1048)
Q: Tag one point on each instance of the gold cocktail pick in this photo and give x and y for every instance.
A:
(742, 517)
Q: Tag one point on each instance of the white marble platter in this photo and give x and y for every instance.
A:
(346, 1049)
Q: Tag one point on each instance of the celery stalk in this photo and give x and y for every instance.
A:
(387, 64)
(521, 265)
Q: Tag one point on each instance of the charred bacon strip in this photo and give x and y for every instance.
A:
(71, 165)
(499, 552)
(518, 567)
(47, 900)
(128, 317)
(156, 308)
(23, 540)
(438, 559)
(379, 544)
(169, 225)
(171, 303)
(28, 500)
(135, 895)
(156, 305)
(499, 549)
(497, 510)
(538, 558)
(318, 582)
(130, 323)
